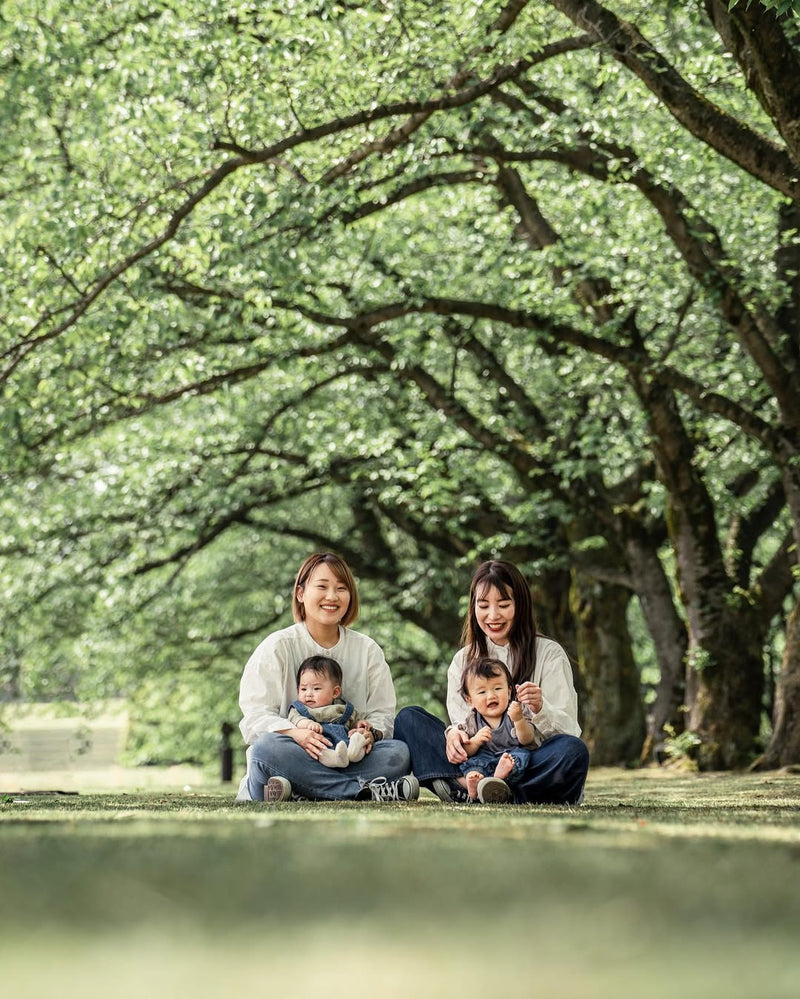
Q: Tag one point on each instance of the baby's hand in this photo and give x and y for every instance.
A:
(515, 711)
(483, 735)
(312, 726)
(363, 726)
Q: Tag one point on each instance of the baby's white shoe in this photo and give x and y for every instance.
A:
(336, 757)
(357, 747)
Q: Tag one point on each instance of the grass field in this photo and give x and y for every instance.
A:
(661, 885)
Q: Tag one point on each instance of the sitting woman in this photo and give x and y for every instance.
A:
(500, 625)
(284, 759)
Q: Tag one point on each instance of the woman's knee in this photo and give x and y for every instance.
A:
(394, 754)
(576, 754)
(414, 719)
(271, 747)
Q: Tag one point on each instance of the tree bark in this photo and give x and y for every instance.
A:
(614, 723)
(668, 631)
(784, 746)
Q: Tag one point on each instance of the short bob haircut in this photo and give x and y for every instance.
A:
(340, 569)
(484, 669)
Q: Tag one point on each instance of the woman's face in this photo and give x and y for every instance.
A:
(324, 597)
(494, 614)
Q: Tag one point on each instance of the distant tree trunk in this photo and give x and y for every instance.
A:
(668, 631)
(784, 746)
(724, 678)
(614, 723)
(551, 600)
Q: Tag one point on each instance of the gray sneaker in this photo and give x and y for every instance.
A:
(493, 791)
(450, 792)
(277, 789)
(381, 789)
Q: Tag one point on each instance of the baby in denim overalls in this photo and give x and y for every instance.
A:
(319, 706)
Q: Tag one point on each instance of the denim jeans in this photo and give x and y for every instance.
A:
(486, 759)
(555, 775)
(276, 755)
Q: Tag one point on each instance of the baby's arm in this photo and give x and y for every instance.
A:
(522, 727)
(481, 737)
(308, 723)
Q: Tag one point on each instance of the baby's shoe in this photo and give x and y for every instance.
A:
(336, 757)
(356, 747)
(493, 791)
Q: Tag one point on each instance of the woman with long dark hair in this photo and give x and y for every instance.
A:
(500, 624)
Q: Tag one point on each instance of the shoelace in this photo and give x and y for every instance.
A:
(385, 790)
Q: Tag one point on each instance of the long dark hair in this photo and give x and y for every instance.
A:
(511, 585)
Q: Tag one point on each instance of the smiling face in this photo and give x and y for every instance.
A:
(494, 613)
(324, 599)
(489, 696)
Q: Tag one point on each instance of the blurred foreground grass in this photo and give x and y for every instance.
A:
(661, 885)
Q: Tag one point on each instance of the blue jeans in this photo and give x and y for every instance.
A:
(555, 775)
(276, 755)
(486, 759)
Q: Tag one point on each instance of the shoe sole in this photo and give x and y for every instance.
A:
(493, 791)
(277, 789)
(414, 794)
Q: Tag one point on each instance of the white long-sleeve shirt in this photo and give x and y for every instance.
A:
(269, 681)
(553, 673)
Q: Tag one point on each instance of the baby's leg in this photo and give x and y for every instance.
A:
(472, 780)
(504, 766)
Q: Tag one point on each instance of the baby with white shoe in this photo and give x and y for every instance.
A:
(320, 707)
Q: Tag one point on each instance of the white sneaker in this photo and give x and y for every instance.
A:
(243, 794)
(381, 789)
(277, 789)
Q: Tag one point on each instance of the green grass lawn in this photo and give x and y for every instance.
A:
(661, 885)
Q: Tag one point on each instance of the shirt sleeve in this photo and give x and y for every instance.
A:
(457, 707)
(261, 692)
(381, 698)
(559, 713)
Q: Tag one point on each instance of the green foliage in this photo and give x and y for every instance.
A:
(201, 201)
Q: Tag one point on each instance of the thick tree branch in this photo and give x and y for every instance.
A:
(732, 139)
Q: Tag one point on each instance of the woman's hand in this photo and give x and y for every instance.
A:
(455, 745)
(313, 742)
(528, 693)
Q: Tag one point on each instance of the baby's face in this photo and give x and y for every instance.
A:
(316, 691)
(489, 696)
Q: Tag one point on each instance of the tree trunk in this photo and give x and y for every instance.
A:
(668, 631)
(614, 724)
(725, 683)
(784, 746)
(725, 673)
(551, 601)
